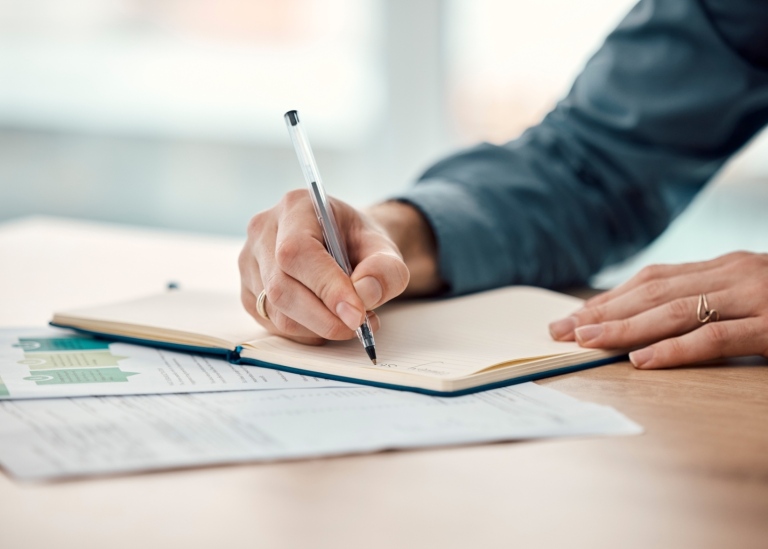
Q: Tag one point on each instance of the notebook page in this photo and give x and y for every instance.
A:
(449, 338)
(209, 314)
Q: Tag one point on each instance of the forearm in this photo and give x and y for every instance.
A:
(653, 116)
(409, 230)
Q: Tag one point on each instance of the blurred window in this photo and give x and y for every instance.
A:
(509, 62)
(190, 68)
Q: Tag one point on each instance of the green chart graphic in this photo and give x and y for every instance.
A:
(63, 343)
(70, 359)
(84, 375)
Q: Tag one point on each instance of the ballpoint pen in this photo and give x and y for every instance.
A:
(333, 240)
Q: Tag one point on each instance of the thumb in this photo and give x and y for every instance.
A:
(380, 276)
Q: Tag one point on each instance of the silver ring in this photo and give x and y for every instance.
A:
(261, 305)
(703, 313)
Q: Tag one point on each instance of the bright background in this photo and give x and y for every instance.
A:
(168, 113)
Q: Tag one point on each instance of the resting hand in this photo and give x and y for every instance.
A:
(657, 311)
(309, 298)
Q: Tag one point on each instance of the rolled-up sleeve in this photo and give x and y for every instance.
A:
(661, 106)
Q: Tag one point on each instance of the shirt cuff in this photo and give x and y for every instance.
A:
(473, 254)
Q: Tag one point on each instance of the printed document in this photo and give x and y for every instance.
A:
(49, 362)
(55, 438)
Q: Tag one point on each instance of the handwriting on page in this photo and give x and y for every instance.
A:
(426, 362)
(433, 368)
(447, 339)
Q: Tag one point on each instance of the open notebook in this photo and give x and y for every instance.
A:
(440, 347)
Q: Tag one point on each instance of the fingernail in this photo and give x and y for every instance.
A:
(349, 315)
(585, 334)
(369, 290)
(641, 357)
(561, 328)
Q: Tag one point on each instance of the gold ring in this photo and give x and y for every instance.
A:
(261, 305)
(703, 313)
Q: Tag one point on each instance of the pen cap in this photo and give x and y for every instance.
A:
(303, 149)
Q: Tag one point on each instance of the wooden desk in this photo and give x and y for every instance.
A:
(697, 478)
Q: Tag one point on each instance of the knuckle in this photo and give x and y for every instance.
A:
(288, 251)
(286, 324)
(330, 288)
(591, 315)
(649, 272)
(276, 289)
(744, 261)
(718, 334)
(249, 302)
(599, 299)
(335, 331)
(293, 197)
(738, 255)
(655, 290)
(256, 224)
(620, 328)
(680, 309)
(673, 349)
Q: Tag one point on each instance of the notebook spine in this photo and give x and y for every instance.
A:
(234, 356)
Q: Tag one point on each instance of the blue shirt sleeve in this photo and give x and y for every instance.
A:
(674, 91)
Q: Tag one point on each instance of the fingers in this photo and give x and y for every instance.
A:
(656, 293)
(670, 319)
(309, 298)
(379, 275)
(748, 336)
(304, 279)
(282, 323)
(300, 334)
(653, 286)
(660, 308)
(661, 272)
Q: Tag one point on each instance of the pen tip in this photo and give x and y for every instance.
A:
(371, 352)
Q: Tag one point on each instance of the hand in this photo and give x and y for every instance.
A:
(309, 297)
(657, 311)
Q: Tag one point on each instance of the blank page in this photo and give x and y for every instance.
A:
(209, 315)
(448, 338)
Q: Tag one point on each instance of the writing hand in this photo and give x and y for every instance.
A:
(309, 298)
(657, 310)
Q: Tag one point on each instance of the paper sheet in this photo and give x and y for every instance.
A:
(45, 439)
(47, 362)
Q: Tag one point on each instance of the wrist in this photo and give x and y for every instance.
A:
(413, 236)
